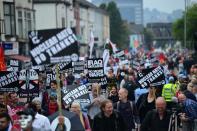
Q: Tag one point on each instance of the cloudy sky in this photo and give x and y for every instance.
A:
(164, 5)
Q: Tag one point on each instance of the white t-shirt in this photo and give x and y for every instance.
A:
(41, 122)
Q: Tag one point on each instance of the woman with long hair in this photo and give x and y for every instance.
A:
(76, 108)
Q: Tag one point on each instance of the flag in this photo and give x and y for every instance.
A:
(114, 48)
(2, 61)
(91, 43)
(161, 58)
(111, 47)
(106, 56)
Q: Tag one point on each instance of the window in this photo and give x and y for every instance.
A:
(28, 21)
(9, 19)
(20, 24)
(2, 29)
(63, 22)
(82, 30)
(25, 19)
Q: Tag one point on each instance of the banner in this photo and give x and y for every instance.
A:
(11, 48)
(50, 76)
(119, 54)
(103, 82)
(135, 40)
(9, 81)
(91, 43)
(53, 46)
(95, 68)
(124, 62)
(137, 64)
(63, 67)
(151, 77)
(79, 66)
(106, 56)
(28, 81)
(76, 92)
(13, 65)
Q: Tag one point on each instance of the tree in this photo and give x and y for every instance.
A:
(148, 38)
(178, 29)
(191, 20)
(103, 6)
(125, 35)
(118, 29)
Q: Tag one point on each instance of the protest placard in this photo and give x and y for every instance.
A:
(28, 82)
(9, 81)
(53, 46)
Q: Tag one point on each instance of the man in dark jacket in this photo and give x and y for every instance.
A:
(130, 85)
(108, 119)
(157, 120)
(127, 110)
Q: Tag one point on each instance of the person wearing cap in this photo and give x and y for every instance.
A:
(26, 118)
(169, 91)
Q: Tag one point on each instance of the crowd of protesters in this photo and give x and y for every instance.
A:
(122, 106)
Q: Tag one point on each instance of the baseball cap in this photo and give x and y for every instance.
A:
(182, 76)
(171, 79)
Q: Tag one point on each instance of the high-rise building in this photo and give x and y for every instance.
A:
(130, 10)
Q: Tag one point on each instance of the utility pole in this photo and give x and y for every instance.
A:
(185, 25)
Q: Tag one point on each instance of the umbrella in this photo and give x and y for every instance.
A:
(72, 121)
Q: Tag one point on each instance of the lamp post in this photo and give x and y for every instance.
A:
(185, 25)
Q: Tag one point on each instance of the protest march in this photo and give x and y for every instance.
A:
(120, 91)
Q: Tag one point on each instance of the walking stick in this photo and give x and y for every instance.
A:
(59, 95)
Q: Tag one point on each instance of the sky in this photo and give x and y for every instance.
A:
(165, 5)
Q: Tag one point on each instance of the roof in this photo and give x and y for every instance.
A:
(87, 4)
(20, 58)
(51, 1)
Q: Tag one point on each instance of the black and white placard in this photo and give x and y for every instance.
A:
(28, 81)
(119, 54)
(76, 92)
(151, 77)
(53, 46)
(95, 68)
(9, 81)
(13, 65)
(63, 67)
(79, 66)
(50, 76)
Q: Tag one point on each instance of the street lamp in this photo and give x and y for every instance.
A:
(185, 26)
(187, 4)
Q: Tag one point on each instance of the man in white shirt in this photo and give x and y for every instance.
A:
(40, 121)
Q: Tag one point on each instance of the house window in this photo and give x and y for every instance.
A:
(28, 21)
(63, 22)
(20, 24)
(9, 19)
